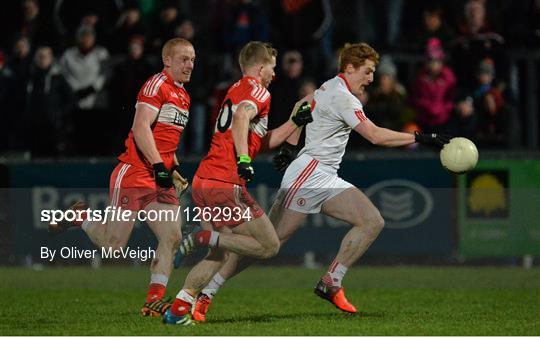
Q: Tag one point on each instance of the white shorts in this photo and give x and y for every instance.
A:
(307, 184)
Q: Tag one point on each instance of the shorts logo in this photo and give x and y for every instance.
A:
(301, 202)
(125, 200)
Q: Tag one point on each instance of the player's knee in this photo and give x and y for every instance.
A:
(371, 226)
(116, 243)
(271, 249)
(275, 249)
(375, 224)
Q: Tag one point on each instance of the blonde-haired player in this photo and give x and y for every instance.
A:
(219, 185)
(143, 178)
(311, 183)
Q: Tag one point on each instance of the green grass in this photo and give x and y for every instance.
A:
(278, 301)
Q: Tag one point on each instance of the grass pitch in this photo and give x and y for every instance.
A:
(278, 301)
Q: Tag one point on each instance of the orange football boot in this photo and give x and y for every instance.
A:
(335, 295)
(201, 307)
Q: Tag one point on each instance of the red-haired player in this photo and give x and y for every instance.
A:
(311, 183)
(143, 180)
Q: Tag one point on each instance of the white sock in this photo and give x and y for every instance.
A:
(156, 278)
(336, 271)
(212, 288)
(85, 224)
(214, 236)
(186, 297)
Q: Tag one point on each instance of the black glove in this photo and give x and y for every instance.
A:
(287, 154)
(84, 92)
(302, 115)
(436, 140)
(162, 176)
(245, 169)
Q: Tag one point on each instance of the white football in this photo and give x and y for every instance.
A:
(459, 155)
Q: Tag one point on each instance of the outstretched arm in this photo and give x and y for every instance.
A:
(390, 138)
(383, 136)
(300, 115)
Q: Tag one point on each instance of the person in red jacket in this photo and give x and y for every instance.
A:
(433, 90)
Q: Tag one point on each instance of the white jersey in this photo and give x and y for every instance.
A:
(336, 111)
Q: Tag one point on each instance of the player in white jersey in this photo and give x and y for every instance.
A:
(311, 184)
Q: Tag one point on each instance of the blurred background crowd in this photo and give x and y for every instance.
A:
(70, 71)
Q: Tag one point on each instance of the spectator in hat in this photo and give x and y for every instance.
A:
(85, 68)
(491, 106)
(101, 15)
(387, 105)
(433, 90)
(485, 77)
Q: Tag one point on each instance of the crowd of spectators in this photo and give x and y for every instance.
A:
(70, 70)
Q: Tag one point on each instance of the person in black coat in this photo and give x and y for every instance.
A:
(48, 99)
(127, 78)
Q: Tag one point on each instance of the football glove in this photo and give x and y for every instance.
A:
(302, 115)
(436, 140)
(244, 167)
(287, 154)
(162, 175)
(179, 182)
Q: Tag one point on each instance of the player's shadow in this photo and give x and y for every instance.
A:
(273, 317)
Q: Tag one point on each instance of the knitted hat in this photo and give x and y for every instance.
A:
(434, 50)
(85, 30)
(386, 66)
(487, 66)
